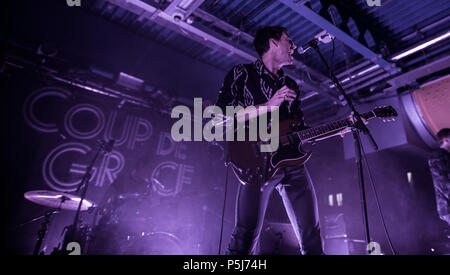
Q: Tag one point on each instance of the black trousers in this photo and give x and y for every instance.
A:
(295, 187)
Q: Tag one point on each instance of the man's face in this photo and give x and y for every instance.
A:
(284, 50)
(445, 143)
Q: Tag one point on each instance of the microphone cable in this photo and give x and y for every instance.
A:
(376, 198)
(224, 206)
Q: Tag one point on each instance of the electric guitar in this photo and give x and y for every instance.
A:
(254, 167)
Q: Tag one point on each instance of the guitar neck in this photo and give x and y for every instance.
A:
(329, 128)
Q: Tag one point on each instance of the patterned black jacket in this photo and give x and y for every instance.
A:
(253, 84)
(439, 164)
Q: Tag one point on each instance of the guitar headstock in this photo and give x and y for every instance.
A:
(387, 113)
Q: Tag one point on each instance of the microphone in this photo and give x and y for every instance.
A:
(303, 49)
(323, 37)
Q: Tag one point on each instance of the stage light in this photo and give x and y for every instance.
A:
(421, 47)
(367, 70)
(339, 199)
(129, 81)
(356, 75)
(409, 176)
(190, 20)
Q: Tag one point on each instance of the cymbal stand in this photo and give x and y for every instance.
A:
(84, 184)
(43, 230)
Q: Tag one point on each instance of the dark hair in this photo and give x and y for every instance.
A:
(262, 36)
(443, 133)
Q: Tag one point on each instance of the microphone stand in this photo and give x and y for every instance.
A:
(84, 184)
(357, 127)
(227, 164)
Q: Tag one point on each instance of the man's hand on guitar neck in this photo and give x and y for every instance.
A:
(349, 129)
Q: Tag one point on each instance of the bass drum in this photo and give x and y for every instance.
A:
(153, 243)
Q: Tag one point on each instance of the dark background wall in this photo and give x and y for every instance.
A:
(87, 39)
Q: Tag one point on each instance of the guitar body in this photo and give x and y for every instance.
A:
(253, 167)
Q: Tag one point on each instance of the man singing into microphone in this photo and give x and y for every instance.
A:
(263, 83)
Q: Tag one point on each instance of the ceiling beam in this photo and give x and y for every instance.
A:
(248, 38)
(319, 86)
(427, 69)
(341, 35)
(159, 16)
(212, 41)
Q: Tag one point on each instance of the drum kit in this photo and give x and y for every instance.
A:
(123, 224)
(121, 229)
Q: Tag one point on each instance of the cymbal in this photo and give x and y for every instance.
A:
(57, 200)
